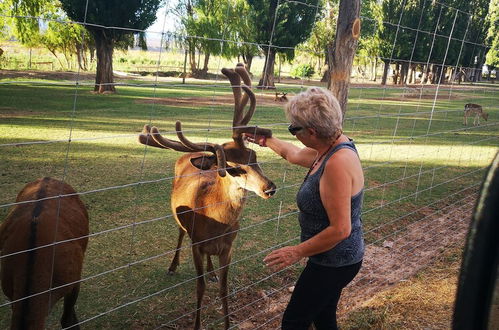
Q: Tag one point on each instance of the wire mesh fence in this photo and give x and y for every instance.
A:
(422, 166)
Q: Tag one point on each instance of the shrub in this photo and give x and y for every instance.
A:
(302, 71)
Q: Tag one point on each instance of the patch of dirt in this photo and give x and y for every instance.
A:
(224, 100)
(50, 75)
(8, 112)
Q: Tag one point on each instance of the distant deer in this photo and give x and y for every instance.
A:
(209, 189)
(28, 269)
(281, 97)
(474, 109)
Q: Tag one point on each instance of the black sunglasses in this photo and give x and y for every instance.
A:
(294, 129)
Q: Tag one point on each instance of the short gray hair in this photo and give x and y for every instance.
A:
(316, 108)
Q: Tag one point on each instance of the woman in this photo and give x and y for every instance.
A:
(329, 201)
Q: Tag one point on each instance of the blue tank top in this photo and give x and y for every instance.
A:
(313, 219)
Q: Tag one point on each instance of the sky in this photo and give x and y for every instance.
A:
(157, 26)
(154, 31)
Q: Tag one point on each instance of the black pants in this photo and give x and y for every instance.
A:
(316, 296)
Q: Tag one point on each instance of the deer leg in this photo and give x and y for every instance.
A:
(465, 120)
(69, 318)
(224, 271)
(211, 275)
(200, 284)
(176, 258)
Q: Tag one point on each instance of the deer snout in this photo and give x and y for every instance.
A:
(270, 190)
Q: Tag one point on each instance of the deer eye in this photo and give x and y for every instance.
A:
(235, 171)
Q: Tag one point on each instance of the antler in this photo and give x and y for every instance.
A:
(241, 121)
(151, 136)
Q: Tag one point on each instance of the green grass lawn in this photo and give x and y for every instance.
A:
(410, 163)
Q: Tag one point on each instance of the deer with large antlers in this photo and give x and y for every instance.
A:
(210, 187)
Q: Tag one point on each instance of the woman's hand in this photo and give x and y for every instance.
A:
(261, 140)
(283, 257)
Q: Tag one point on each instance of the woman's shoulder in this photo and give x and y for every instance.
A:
(343, 160)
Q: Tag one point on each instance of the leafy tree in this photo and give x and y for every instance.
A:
(207, 22)
(460, 19)
(322, 35)
(244, 33)
(397, 42)
(474, 49)
(492, 59)
(101, 16)
(370, 42)
(26, 26)
(206, 27)
(4, 20)
(39, 23)
(284, 27)
(68, 39)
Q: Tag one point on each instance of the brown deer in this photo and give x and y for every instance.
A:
(32, 264)
(281, 97)
(210, 187)
(474, 109)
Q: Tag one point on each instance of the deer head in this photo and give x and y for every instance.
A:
(232, 157)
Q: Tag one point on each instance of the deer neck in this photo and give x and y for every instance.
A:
(234, 197)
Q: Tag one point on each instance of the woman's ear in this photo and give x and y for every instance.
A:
(311, 131)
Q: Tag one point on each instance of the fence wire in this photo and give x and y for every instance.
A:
(400, 210)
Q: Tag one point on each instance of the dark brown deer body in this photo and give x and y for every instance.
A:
(32, 225)
(209, 190)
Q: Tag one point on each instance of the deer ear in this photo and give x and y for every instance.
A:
(204, 163)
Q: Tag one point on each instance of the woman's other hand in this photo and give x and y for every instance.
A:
(283, 257)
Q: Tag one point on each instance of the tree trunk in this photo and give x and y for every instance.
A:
(413, 75)
(81, 56)
(58, 59)
(478, 73)
(267, 80)
(385, 72)
(206, 61)
(192, 57)
(426, 74)
(199, 59)
(326, 77)
(247, 59)
(185, 66)
(396, 74)
(434, 69)
(439, 74)
(104, 81)
(279, 74)
(404, 72)
(347, 35)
